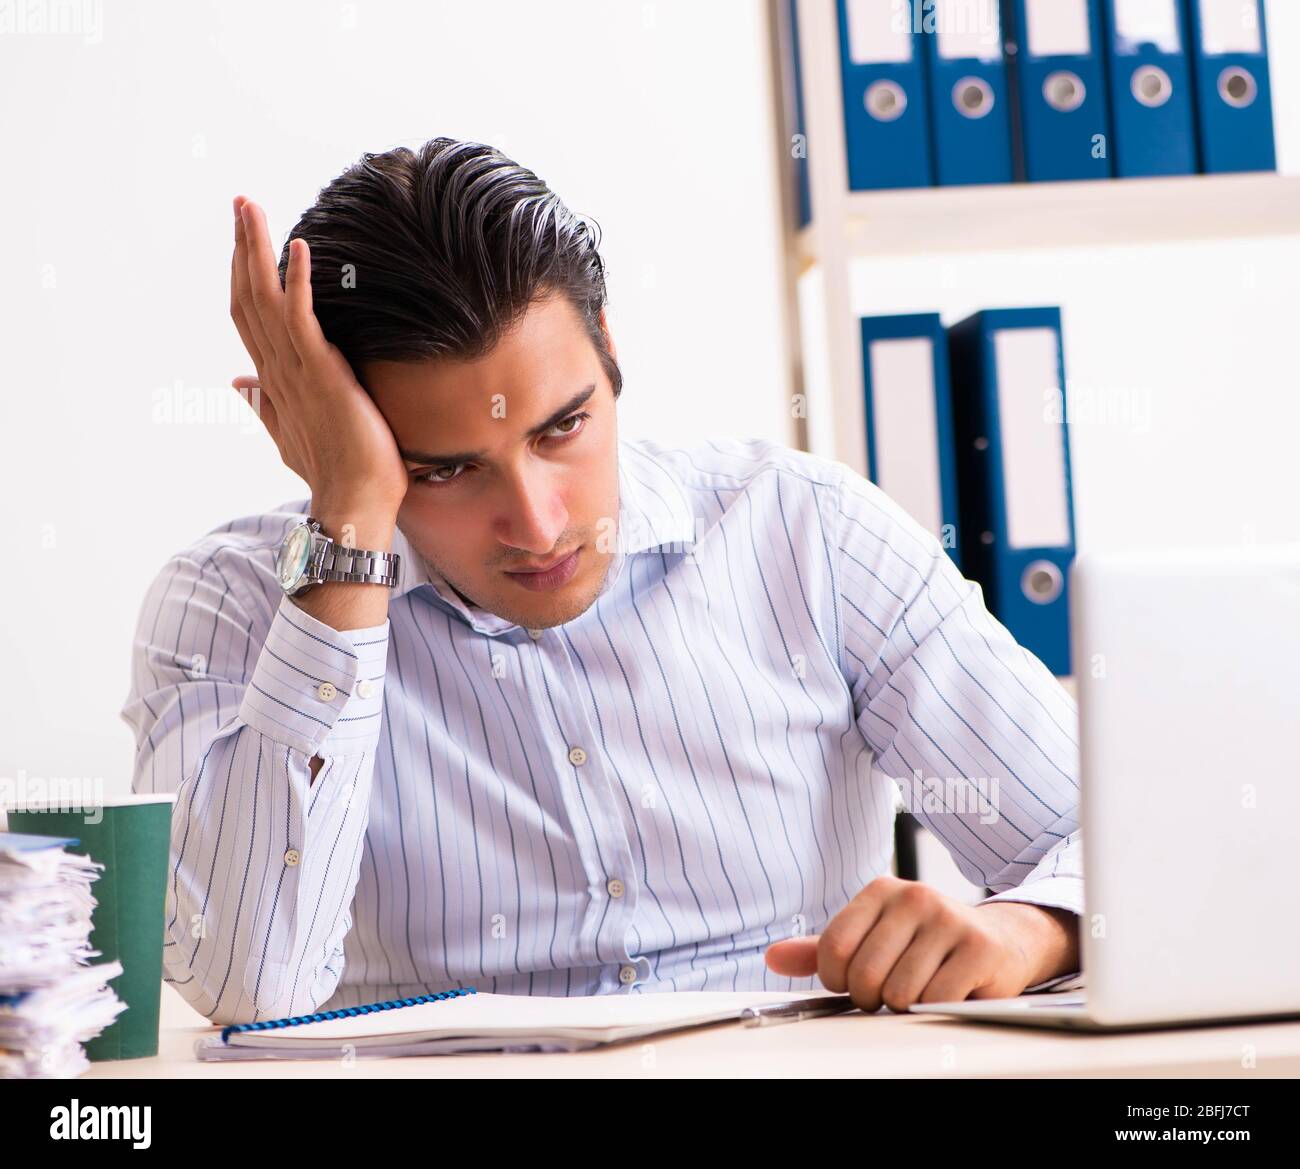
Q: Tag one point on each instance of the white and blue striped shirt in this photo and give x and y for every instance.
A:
(642, 799)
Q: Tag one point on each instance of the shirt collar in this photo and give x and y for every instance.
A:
(655, 514)
(655, 510)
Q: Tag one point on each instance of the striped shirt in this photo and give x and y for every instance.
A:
(705, 761)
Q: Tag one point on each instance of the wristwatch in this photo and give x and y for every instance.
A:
(309, 557)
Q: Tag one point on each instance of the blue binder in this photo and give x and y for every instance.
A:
(970, 105)
(1150, 88)
(1234, 101)
(1058, 84)
(886, 114)
(910, 440)
(1013, 461)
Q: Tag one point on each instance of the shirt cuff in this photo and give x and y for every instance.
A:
(1048, 892)
(1074, 980)
(316, 688)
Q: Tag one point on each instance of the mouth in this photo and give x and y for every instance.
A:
(552, 576)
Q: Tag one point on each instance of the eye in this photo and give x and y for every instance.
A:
(435, 477)
(563, 430)
(566, 430)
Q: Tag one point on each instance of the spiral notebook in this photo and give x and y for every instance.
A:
(465, 1020)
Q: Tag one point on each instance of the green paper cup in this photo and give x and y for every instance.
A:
(131, 837)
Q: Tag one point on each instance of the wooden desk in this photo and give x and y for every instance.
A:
(841, 1046)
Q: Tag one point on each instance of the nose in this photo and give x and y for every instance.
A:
(532, 514)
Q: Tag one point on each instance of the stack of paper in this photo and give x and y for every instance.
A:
(51, 1000)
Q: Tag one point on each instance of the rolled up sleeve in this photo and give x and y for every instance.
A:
(228, 716)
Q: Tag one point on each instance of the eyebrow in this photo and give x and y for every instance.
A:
(421, 458)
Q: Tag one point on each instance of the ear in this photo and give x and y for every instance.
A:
(609, 337)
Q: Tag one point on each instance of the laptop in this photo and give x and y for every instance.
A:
(1188, 672)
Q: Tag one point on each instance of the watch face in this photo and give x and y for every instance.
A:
(291, 563)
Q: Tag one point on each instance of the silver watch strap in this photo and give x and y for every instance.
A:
(357, 566)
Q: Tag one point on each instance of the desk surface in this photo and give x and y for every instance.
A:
(840, 1046)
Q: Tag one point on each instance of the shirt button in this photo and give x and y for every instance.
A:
(292, 857)
(616, 887)
(365, 688)
(577, 756)
(326, 691)
(535, 634)
(627, 975)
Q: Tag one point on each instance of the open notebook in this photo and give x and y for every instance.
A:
(465, 1020)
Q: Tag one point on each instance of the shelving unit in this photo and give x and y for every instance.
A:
(849, 228)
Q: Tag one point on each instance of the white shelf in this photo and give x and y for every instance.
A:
(1078, 214)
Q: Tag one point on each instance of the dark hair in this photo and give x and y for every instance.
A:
(449, 245)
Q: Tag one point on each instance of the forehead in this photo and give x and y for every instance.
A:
(541, 361)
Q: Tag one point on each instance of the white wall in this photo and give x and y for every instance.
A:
(124, 148)
(128, 144)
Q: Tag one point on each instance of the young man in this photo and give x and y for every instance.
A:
(589, 715)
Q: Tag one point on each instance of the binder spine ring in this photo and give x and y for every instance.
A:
(1041, 582)
(1151, 86)
(344, 1012)
(973, 97)
(885, 100)
(1064, 90)
(1237, 87)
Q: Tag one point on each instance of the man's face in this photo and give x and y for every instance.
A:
(513, 465)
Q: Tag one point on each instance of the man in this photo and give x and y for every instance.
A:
(619, 718)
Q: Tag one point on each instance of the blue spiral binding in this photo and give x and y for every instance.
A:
(344, 1012)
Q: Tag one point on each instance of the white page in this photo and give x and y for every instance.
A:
(1230, 26)
(519, 1015)
(968, 30)
(880, 31)
(1146, 22)
(1033, 445)
(905, 428)
(1057, 28)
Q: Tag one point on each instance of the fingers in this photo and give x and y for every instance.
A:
(901, 942)
(959, 977)
(299, 319)
(793, 957)
(265, 296)
(902, 985)
(841, 939)
(913, 972)
(875, 958)
(242, 311)
(894, 942)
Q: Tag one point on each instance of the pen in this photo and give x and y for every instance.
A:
(792, 1012)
